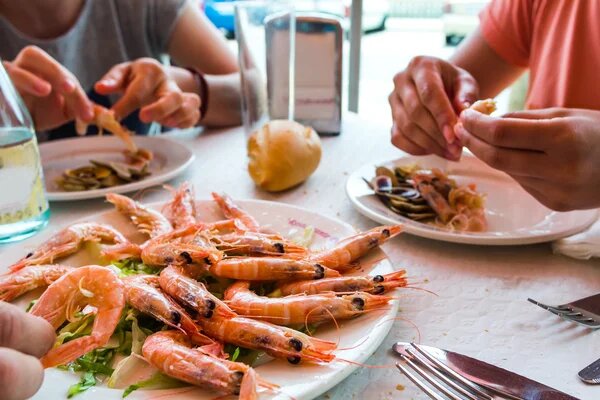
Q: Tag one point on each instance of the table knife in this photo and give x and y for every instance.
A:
(497, 379)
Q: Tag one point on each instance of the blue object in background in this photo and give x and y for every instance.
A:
(221, 14)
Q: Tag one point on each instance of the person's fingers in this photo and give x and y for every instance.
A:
(418, 113)
(512, 161)
(114, 80)
(516, 133)
(466, 91)
(432, 92)
(26, 82)
(24, 332)
(187, 115)
(162, 108)
(544, 113)
(21, 375)
(404, 143)
(139, 91)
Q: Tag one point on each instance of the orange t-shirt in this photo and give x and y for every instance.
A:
(559, 40)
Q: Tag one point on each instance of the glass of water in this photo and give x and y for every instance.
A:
(23, 205)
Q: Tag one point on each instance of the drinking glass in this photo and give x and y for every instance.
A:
(23, 205)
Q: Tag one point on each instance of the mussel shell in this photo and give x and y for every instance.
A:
(384, 171)
(382, 183)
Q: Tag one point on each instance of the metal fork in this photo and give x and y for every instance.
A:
(437, 380)
(584, 311)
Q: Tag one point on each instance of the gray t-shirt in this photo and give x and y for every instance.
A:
(106, 33)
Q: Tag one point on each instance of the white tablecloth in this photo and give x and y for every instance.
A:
(480, 308)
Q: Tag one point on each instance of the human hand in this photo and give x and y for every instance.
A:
(51, 93)
(146, 85)
(552, 153)
(24, 338)
(427, 97)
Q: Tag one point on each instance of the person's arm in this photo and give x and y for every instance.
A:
(196, 43)
(491, 72)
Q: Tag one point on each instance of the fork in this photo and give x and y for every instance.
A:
(584, 311)
(428, 374)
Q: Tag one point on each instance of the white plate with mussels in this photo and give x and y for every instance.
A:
(63, 157)
(513, 216)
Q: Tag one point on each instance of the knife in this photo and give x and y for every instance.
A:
(486, 375)
(591, 373)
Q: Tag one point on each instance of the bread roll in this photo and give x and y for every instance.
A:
(283, 154)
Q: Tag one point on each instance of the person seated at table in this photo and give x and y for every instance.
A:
(553, 149)
(63, 55)
(24, 338)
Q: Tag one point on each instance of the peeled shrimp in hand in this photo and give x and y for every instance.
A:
(172, 353)
(17, 283)
(143, 293)
(105, 119)
(269, 269)
(342, 255)
(146, 220)
(98, 287)
(377, 284)
(69, 241)
(301, 309)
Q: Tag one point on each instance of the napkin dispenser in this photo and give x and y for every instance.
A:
(314, 68)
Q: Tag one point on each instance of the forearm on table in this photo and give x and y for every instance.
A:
(492, 72)
(224, 107)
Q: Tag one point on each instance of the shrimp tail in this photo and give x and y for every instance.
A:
(121, 251)
(248, 386)
(9, 293)
(70, 351)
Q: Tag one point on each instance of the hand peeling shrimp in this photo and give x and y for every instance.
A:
(269, 269)
(300, 309)
(341, 256)
(143, 293)
(172, 353)
(92, 285)
(146, 220)
(69, 241)
(192, 293)
(377, 284)
(15, 284)
(181, 210)
(105, 119)
(232, 210)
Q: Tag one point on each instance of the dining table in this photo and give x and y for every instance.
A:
(465, 298)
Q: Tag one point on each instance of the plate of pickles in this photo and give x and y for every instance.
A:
(91, 166)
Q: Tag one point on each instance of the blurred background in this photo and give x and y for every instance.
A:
(394, 31)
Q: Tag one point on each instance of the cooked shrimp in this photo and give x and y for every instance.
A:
(377, 284)
(172, 353)
(105, 119)
(17, 283)
(232, 210)
(192, 293)
(341, 256)
(277, 341)
(434, 197)
(269, 269)
(181, 210)
(189, 245)
(300, 309)
(69, 241)
(94, 286)
(486, 106)
(254, 243)
(143, 293)
(146, 220)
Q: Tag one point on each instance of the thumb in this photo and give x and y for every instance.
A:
(466, 92)
(114, 80)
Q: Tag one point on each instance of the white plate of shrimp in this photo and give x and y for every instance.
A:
(513, 216)
(349, 281)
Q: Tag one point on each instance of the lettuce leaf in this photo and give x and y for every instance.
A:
(132, 266)
(87, 381)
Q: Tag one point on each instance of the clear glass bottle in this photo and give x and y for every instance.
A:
(23, 206)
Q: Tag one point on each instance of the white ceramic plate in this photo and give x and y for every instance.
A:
(171, 158)
(514, 217)
(360, 337)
